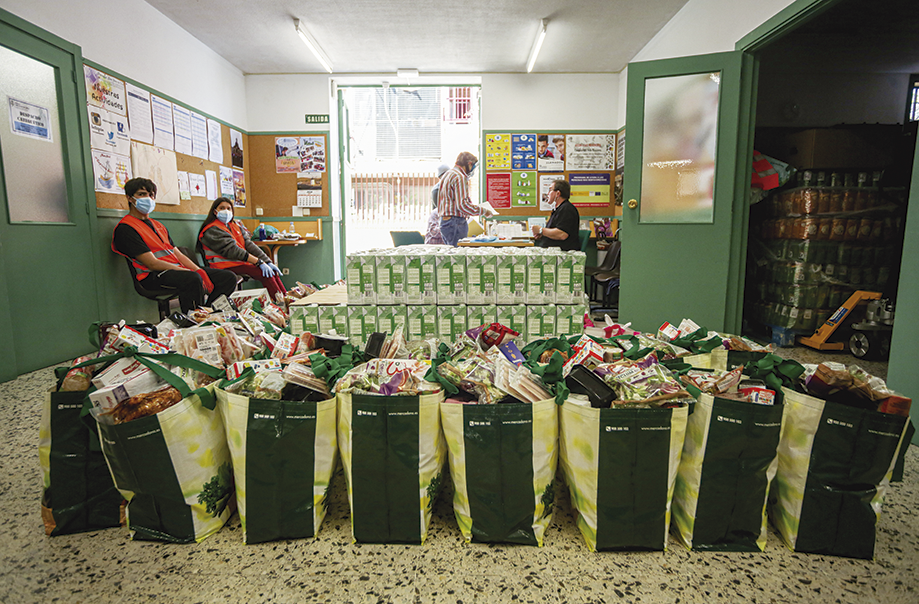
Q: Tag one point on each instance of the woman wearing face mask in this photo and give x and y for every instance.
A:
(226, 244)
(158, 263)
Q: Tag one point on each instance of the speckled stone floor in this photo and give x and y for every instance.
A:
(105, 566)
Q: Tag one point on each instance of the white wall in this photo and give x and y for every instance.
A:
(707, 26)
(137, 41)
(278, 103)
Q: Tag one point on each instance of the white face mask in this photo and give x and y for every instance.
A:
(225, 216)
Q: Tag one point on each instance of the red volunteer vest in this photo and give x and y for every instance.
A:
(157, 240)
(215, 260)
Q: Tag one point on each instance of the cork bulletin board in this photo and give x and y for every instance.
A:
(520, 165)
(275, 193)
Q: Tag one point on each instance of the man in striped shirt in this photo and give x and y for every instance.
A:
(453, 203)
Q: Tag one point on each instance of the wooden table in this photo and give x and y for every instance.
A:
(498, 243)
(273, 245)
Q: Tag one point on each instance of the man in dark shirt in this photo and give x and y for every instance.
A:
(561, 229)
(156, 260)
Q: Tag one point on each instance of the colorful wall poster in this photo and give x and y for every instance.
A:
(108, 131)
(287, 154)
(523, 189)
(590, 190)
(309, 192)
(103, 90)
(226, 182)
(239, 188)
(550, 152)
(545, 181)
(523, 151)
(620, 150)
(236, 149)
(110, 171)
(312, 154)
(591, 152)
(159, 165)
(498, 152)
(498, 189)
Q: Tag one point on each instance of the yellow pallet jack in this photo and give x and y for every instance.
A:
(869, 338)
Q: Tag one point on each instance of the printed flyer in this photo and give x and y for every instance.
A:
(102, 90)
(287, 154)
(239, 188)
(591, 152)
(523, 151)
(590, 190)
(497, 152)
(523, 189)
(110, 171)
(498, 190)
(550, 152)
(312, 154)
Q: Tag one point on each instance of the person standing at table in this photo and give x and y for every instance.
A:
(157, 262)
(226, 244)
(453, 203)
(561, 229)
(432, 236)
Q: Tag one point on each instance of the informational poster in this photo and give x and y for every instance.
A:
(210, 179)
(197, 185)
(110, 171)
(236, 148)
(140, 116)
(28, 119)
(523, 151)
(498, 189)
(198, 135)
(498, 152)
(181, 118)
(523, 189)
(239, 188)
(159, 165)
(550, 152)
(309, 192)
(620, 150)
(184, 189)
(214, 141)
(287, 154)
(162, 123)
(226, 182)
(590, 190)
(545, 181)
(591, 152)
(312, 154)
(103, 90)
(108, 131)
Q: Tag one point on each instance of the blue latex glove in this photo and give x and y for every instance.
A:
(266, 269)
(275, 269)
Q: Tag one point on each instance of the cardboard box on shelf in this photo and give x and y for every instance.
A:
(864, 147)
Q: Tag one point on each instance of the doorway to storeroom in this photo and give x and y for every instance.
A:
(393, 138)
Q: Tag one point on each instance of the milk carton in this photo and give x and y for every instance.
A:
(515, 317)
(451, 276)
(541, 276)
(481, 268)
(421, 322)
(362, 321)
(511, 277)
(570, 281)
(569, 319)
(540, 322)
(451, 322)
(361, 278)
(390, 317)
(420, 282)
(334, 318)
(481, 315)
(304, 318)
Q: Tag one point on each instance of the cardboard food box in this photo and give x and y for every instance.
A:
(304, 319)
(139, 382)
(481, 315)
(865, 147)
(118, 372)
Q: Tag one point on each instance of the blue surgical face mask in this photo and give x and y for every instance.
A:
(144, 205)
(472, 168)
(225, 216)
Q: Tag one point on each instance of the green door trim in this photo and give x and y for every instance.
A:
(787, 19)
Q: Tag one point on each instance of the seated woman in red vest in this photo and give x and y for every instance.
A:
(159, 264)
(226, 244)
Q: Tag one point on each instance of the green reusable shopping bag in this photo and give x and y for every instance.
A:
(502, 460)
(621, 467)
(174, 469)
(393, 453)
(729, 458)
(78, 494)
(284, 453)
(835, 464)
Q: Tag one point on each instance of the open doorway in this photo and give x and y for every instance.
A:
(396, 137)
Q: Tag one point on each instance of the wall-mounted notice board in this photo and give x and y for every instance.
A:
(521, 165)
(289, 174)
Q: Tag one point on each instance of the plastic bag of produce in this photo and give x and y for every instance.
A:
(729, 457)
(835, 465)
(284, 453)
(173, 467)
(502, 460)
(621, 466)
(393, 453)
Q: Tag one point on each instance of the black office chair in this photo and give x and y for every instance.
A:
(611, 258)
(608, 284)
(400, 238)
(162, 297)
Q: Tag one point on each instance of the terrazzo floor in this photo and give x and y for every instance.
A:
(106, 566)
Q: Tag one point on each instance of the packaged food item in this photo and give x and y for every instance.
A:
(118, 372)
(129, 336)
(140, 382)
(285, 346)
(145, 404)
(259, 366)
(78, 379)
(301, 375)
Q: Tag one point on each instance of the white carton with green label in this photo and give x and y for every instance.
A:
(477, 315)
(481, 269)
(515, 317)
(451, 322)
(421, 322)
(390, 277)
(361, 278)
(451, 276)
(362, 321)
(540, 322)
(304, 319)
(569, 319)
(390, 317)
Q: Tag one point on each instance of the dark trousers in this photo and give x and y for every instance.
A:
(273, 284)
(191, 287)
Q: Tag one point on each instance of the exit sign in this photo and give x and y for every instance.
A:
(319, 118)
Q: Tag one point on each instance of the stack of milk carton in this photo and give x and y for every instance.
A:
(440, 292)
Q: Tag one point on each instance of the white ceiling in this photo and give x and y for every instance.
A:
(433, 36)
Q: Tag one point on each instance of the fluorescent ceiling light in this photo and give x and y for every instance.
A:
(407, 73)
(540, 36)
(312, 45)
